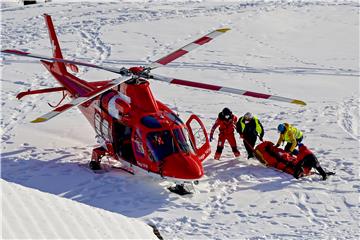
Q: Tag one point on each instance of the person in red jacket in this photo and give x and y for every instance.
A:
(307, 160)
(226, 122)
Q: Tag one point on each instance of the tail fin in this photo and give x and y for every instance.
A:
(53, 39)
(55, 45)
(73, 84)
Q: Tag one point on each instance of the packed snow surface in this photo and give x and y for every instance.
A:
(306, 50)
(30, 213)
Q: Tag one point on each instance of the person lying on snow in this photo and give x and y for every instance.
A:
(298, 166)
(306, 160)
(226, 122)
(249, 127)
(291, 135)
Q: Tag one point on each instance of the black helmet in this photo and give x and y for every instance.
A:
(226, 113)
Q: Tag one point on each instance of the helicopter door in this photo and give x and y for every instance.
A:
(122, 141)
(198, 137)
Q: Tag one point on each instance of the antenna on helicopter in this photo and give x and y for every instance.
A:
(176, 108)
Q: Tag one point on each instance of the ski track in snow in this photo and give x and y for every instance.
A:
(348, 116)
(237, 198)
(21, 109)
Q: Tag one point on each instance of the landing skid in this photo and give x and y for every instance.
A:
(97, 167)
(88, 168)
(179, 189)
(125, 169)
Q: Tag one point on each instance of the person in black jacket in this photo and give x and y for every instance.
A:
(249, 127)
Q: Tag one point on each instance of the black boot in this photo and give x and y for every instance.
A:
(235, 151)
(298, 172)
(218, 153)
(322, 172)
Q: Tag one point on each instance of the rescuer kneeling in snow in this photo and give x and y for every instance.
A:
(249, 127)
(291, 135)
(226, 122)
(307, 160)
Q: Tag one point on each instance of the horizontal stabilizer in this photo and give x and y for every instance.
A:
(39, 91)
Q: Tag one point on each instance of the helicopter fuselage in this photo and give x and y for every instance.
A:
(131, 125)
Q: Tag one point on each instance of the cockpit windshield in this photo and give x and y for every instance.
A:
(161, 144)
(183, 140)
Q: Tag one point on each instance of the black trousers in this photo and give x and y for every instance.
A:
(249, 139)
(309, 161)
(288, 146)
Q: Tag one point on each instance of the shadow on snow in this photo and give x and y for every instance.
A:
(115, 191)
(263, 179)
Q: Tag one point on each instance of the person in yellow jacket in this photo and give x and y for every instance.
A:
(291, 135)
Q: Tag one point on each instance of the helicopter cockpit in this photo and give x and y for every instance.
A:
(169, 137)
(166, 142)
(160, 145)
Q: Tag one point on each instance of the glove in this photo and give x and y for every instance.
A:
(211, 138)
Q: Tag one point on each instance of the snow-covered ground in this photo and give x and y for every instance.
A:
(30, 213)
(307, 50)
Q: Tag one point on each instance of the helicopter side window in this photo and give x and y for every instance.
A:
(105, 130)
(182, 137)
(97, 124)
(161, 144)
(102, 127)
(139, 149)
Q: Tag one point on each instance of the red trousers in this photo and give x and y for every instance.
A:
(230, 138)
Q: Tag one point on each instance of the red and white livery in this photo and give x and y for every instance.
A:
(131, 125)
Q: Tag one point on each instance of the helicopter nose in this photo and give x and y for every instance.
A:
(182, 167)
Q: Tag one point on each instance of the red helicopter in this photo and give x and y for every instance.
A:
(131, 125)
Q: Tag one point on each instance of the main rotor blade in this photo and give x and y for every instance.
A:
(80, 100)
(122, 71)
(225, 89)
(187, 48)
